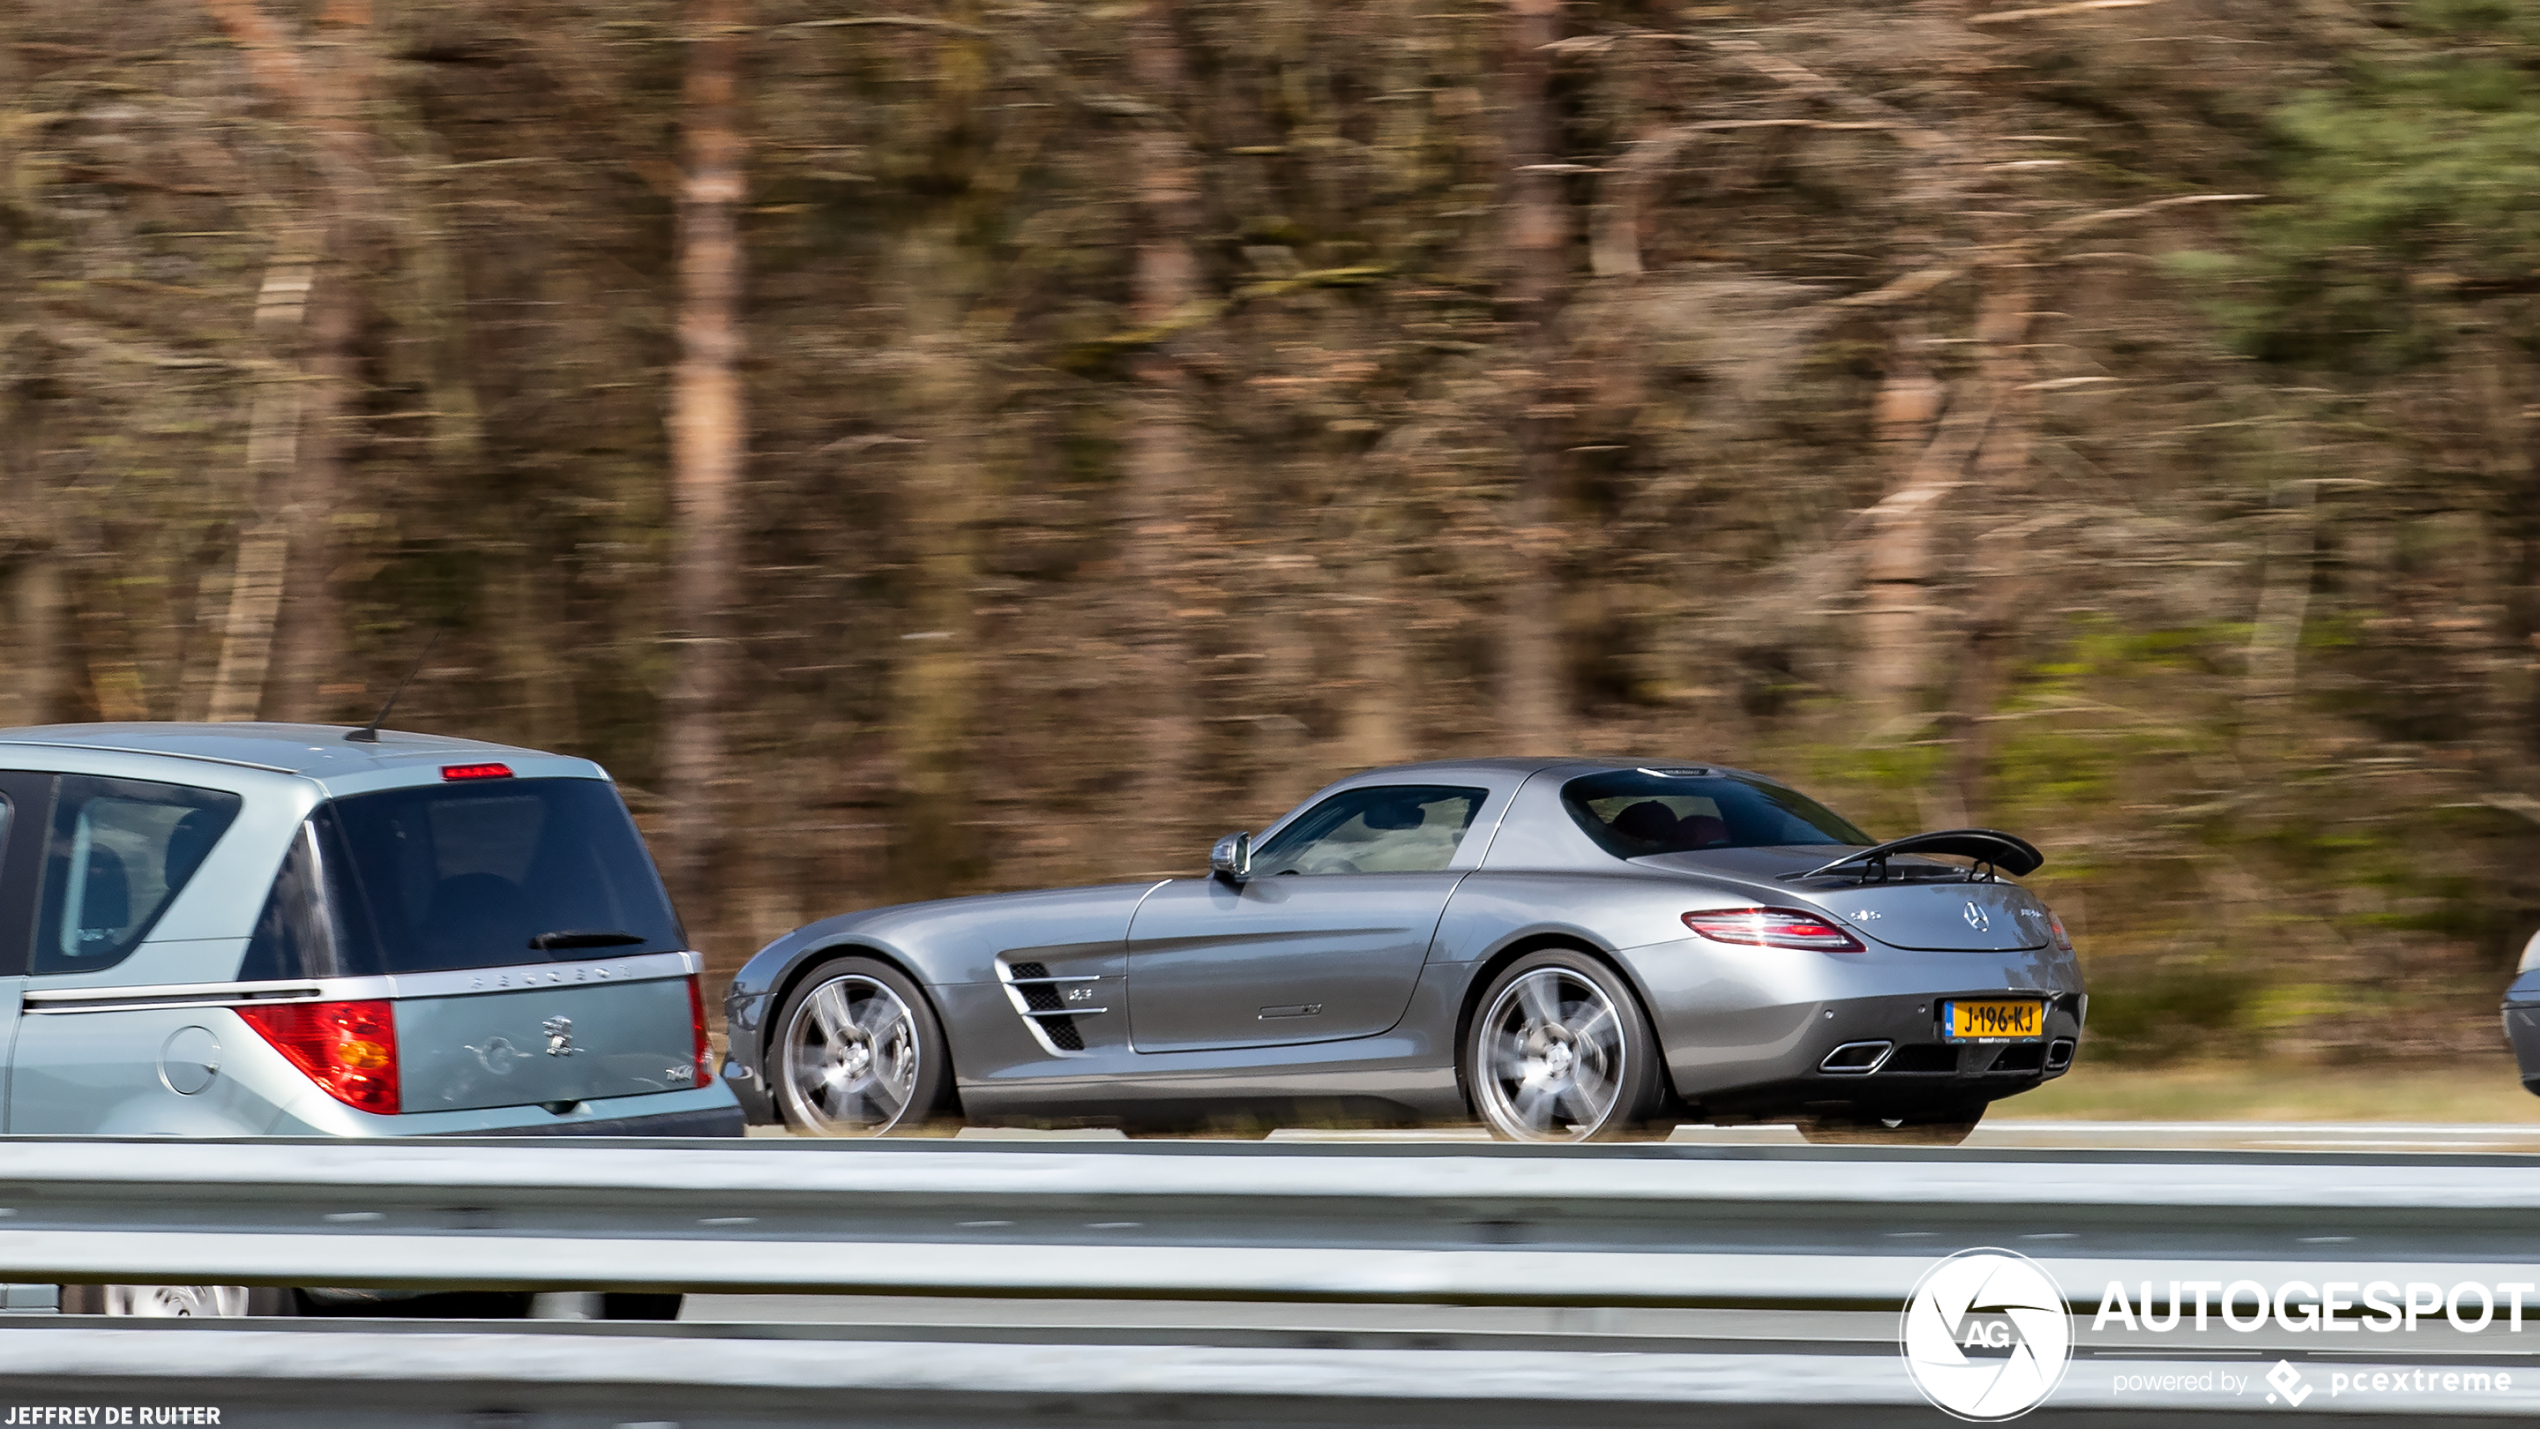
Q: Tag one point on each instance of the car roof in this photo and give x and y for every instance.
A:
(319, 751)
(1578, 763)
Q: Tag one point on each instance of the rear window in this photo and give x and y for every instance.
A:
(120, 851)
(1632, 813)
(475, 875)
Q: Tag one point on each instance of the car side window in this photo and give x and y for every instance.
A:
(1390, 828)
(118, 853)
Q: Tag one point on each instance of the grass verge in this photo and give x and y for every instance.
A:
(2485, 1091)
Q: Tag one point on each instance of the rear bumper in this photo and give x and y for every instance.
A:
(710, 1108)
(745, 1021)
(1881, 1056)
(710, 1121)
(2522, 1029)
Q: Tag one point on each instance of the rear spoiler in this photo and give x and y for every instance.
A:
(1990, 848)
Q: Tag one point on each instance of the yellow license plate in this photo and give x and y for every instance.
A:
(1995, 1021)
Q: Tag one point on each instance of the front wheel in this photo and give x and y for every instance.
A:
(859, 1053)
(1561, 1051)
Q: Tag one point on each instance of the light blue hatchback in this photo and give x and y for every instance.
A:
(289, 930)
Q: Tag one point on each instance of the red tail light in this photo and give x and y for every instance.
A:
(697, 1024)
(2055, 923)
(349, 1048)
(475, 771)
(1771, 928)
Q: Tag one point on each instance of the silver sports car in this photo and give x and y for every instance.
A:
(1568, 949)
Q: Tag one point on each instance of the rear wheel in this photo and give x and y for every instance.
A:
(604, 1305)
(160, 1302)
(859, 1053)
(1562, 1052)
(1936, 1126)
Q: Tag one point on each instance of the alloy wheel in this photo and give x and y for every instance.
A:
(851, 1058)
(172, 1301)
(1552, 1057)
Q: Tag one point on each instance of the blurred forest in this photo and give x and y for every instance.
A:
(932, 446)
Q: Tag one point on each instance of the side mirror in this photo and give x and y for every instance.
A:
(1231, 859)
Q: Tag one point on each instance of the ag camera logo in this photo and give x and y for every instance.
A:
(1986, 1336)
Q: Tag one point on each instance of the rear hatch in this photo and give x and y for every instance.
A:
(553, 1044)
(525, 945)
(1926, 905)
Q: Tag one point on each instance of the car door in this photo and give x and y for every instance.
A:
(1325, 939)
(25, 802)
(109, 858)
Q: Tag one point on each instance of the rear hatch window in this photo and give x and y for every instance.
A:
(475, 875)
(1638, 813)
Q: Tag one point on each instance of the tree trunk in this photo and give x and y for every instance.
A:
(1900, 565)
(30, 570)
(273, 446)
(30, 566)
(283, 644)
(934, 682)
(1998, 565)
(1533, 703)
(1157, 532)
(2284, 598)
(708, 435)
(308, 641)
(1896, 565)
(1373, 731)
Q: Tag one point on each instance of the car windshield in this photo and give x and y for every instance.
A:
(1633, 813)
(463, 876)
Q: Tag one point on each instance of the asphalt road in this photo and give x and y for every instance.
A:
(1999, 1134)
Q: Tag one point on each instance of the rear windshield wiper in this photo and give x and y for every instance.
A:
(1992, 850)
(585, 938)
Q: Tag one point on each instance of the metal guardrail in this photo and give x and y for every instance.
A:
(1832, 1229)
(1655, 1225)
(480, 1379)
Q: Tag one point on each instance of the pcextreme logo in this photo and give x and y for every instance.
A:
(1986, 1336)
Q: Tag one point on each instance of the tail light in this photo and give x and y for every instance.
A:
(2055, 925)
(348, 1048)
(697, 1026)
(1771, 928)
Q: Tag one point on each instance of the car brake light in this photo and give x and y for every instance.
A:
(1771, 928)
(455, 772)
(348, 1048)
(697, 1026)
(2055, 922)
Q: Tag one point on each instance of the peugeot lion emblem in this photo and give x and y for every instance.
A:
(1975, 920)
(559, 1031)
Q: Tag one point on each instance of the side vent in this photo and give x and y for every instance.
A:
(1043, 1003)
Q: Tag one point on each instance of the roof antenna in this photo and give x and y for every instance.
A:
(369, 733)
